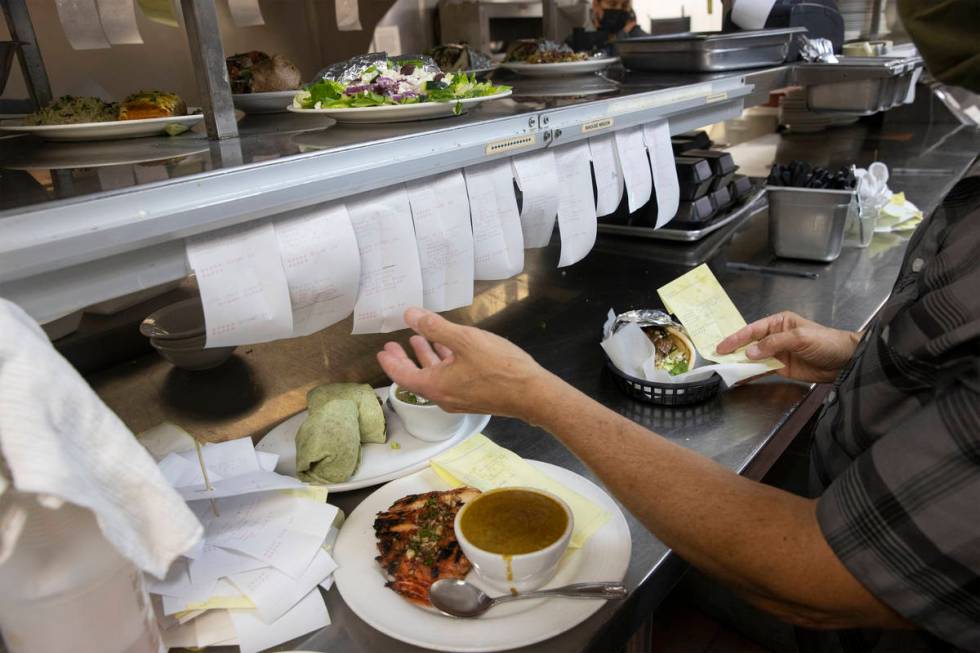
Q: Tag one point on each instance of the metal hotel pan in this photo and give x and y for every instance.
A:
(707, 51)
(807, 223)
(860, 85)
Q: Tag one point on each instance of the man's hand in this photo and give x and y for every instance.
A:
(810, 352)
(465, 369)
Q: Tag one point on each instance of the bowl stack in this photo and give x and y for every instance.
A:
(178, 333)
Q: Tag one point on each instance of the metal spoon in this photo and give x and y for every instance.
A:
(457, 598)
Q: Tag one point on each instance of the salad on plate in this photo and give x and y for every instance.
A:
(385, 81)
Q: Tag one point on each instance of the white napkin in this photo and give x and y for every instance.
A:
(60, 440)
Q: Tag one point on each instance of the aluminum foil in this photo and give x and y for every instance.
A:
(642, 317)
(352, 69)
(817, 50)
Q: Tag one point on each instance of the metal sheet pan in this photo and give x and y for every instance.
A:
(755, 203)
(707, 51)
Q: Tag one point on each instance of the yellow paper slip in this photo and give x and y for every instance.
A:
(478, 462)
(707, 313)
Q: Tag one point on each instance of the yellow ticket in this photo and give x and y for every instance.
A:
(478, 462)
(707, 313)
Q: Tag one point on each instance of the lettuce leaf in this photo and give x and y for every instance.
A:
(330, 94)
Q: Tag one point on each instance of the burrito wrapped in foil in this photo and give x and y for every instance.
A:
(353, 69)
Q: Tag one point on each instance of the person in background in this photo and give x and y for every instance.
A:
(615, 18)
(884, 555)
(612, 20)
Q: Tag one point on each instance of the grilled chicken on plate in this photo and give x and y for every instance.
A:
(417, 544)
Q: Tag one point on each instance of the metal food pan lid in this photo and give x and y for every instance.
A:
(714, 36)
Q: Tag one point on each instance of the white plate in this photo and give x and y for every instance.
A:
(379, 462)
(270, 102)
(399, 112)
(59, 156)
(562, 69)
(605, 557)
(102, 131)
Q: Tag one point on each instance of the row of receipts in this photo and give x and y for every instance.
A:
(253, 580)
(423, 243)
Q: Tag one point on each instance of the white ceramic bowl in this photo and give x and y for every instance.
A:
(523, 572)
(427, 422)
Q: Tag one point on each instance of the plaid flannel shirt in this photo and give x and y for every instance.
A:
(896, 452)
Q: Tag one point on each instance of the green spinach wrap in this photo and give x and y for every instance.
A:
(370, 415)
(328, 444)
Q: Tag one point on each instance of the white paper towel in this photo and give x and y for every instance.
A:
(60, 440)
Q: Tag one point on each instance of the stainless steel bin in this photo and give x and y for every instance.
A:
(707, 51)
(807, 223)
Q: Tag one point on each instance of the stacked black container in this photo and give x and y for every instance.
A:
(707, 181)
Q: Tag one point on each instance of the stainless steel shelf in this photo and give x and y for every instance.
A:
(59, 256)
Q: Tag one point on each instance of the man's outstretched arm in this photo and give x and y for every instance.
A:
(763, 542)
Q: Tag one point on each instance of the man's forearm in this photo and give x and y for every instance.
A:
(760, 540)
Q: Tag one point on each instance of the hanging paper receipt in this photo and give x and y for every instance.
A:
(441, 213)
(708, 314)
(243, 286)
(246, 13)
(348, 15)
(498, 241)
(322, 264)
(631, 151)
(656, 135)
(391, 276)
(81, 24)
(576, 206)
(537, 177)
(119, 22)
(608, 176)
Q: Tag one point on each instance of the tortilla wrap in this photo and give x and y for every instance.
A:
(370, 415)
(328, 444)
(679, 339)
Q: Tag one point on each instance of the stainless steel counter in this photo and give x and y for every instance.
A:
(556, 315)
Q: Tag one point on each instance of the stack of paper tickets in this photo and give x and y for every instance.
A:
(253, 580)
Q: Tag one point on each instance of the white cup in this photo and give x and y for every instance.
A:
(522, 572)
(427, 421)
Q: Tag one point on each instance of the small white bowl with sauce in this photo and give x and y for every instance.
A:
(515, 537)
(426, 421)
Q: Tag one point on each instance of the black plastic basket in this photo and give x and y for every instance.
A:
(665, 394)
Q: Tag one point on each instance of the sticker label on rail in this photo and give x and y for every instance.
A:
(597, 125)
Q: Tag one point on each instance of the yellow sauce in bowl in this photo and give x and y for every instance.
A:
(513, 521)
